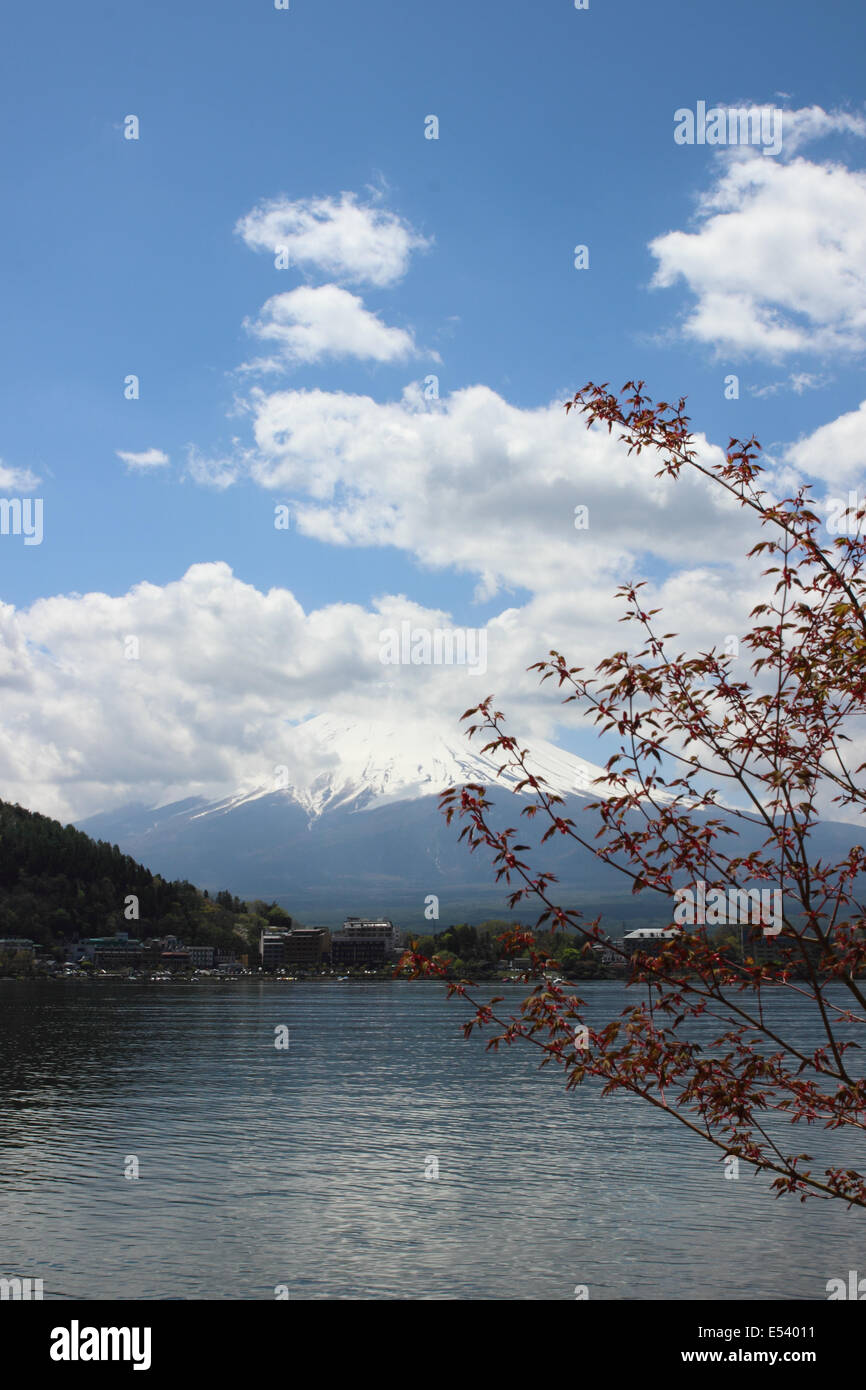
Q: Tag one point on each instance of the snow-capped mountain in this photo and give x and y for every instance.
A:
(359, 766)
(350, 823)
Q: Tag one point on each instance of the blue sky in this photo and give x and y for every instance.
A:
(556, 128)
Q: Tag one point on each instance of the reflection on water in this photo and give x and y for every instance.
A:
(306, 1167)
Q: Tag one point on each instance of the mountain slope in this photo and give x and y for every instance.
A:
(361, 832)
(354, 827)
(57, 884)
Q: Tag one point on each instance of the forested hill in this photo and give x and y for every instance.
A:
(56, 884)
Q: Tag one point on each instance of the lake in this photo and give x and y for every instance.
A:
(305, 1167)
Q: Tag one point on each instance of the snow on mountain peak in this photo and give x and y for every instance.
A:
(364, 763)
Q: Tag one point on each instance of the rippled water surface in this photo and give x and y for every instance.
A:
(305, 1167)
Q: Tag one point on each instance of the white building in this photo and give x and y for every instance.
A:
(649, 939)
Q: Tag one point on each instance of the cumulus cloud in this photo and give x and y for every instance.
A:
(835, 452)
(814, 123)
(309, 324)
(193, 687)
(362, 243)
(148, 458)
(777, 262)
(475, 483)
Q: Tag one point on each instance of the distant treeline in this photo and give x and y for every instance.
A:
(477, 950)
(56, 884)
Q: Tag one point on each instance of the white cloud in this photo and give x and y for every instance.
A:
(777, 264)
(814, 123)
(16, 479)
(835, 452)
(219, 472)
(358, 242)
(798, 382)
(474, 483)
(148, 458)
(309, 324)
(223, 671)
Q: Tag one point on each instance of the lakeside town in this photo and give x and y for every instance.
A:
(361, 948)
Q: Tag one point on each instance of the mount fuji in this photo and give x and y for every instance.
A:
(372, 764)
(350, 824)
